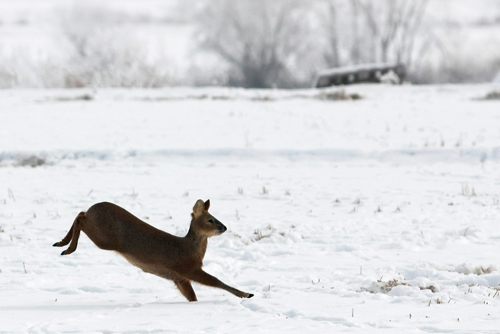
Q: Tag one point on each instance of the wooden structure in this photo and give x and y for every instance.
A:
(359, 73)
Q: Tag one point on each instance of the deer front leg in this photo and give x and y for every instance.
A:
(186, 289)
(199, 276)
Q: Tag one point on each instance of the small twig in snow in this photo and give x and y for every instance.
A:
(11, 194)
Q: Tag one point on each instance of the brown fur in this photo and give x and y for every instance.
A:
(179, 259)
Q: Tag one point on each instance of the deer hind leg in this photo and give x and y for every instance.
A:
(186, 289)
(66, 239)
(73, 235)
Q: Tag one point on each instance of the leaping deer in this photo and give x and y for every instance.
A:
(179, 259)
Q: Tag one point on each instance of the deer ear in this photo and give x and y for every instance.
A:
(198, 208)
(207, 205)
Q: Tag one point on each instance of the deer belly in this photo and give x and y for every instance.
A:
(153, 268)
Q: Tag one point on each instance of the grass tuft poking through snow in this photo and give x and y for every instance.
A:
(494, 95)
(384, 286)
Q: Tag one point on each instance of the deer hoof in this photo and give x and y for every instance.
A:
(250, 295)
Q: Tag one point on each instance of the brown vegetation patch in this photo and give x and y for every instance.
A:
(495, 95)
(340, 95)
(31, 161)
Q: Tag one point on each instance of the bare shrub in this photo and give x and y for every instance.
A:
(453, 68)
(369, 31)
(19, 68)
(98, 48)
(495, 95)
(393, 27)
(104, 52)
(261, 41)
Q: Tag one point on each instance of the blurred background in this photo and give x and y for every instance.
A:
(242, 43)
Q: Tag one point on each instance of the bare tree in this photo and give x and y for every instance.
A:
(104, 53)
(331, 55)
(259, 39)
(411, 22)
(393, 26)
(355, 54)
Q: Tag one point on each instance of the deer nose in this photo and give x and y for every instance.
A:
(222, 229)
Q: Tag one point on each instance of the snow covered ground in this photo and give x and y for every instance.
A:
(328, 204)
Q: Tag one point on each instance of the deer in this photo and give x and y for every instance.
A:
(179, 259)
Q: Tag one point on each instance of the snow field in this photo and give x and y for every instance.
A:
(326, 204)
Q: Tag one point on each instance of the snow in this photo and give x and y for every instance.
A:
(327, 204)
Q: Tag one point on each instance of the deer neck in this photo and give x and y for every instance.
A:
(198, 240)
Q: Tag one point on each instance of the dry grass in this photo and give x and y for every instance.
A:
(268, 232)
(492, 96)
(389, 285)
(430, 287)
(384, 286)
(84, 97)
(339, 95)
(263, 99)
(31, 161)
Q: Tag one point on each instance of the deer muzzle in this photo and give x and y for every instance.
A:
(221, 228)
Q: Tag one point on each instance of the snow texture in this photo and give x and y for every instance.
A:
(379, 214)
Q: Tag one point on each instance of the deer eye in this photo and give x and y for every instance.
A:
(211, 221)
